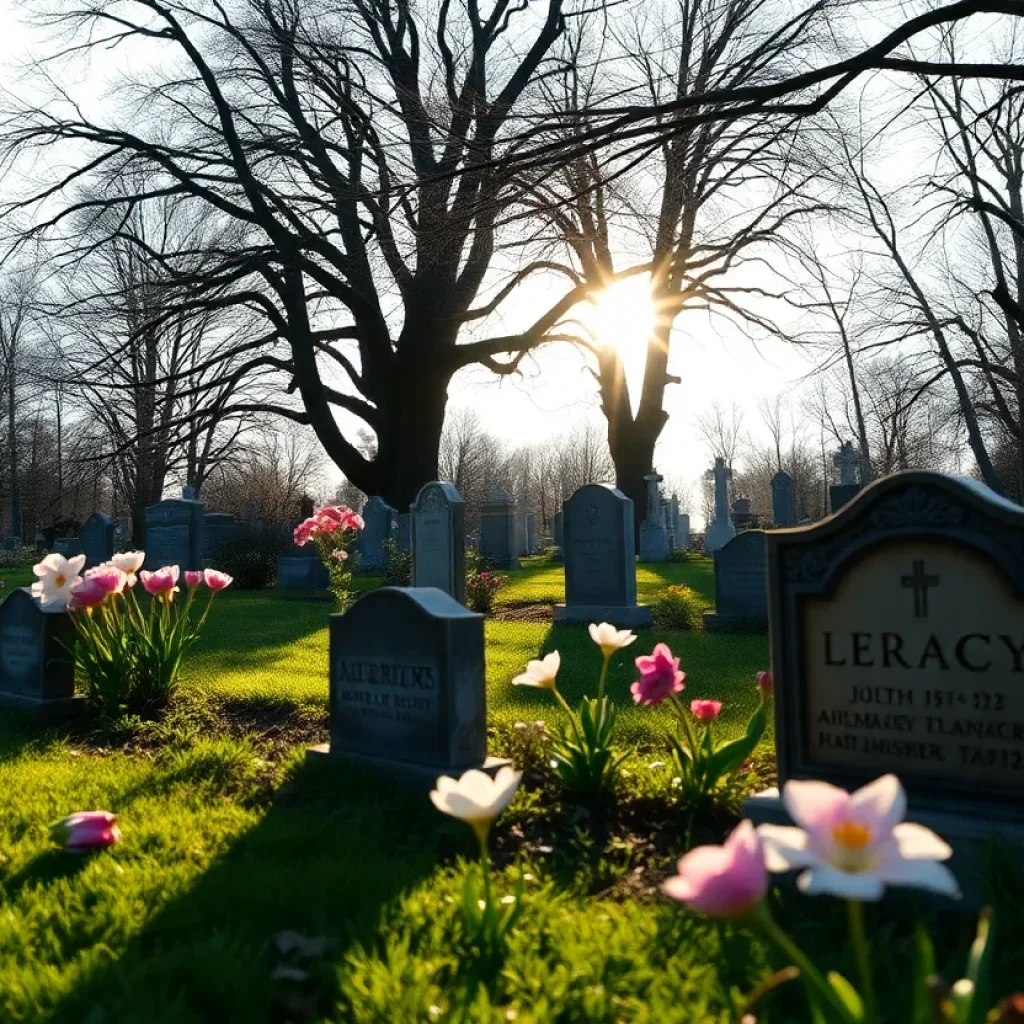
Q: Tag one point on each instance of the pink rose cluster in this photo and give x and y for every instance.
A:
(327, 521)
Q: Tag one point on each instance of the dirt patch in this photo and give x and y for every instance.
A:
(525, 613)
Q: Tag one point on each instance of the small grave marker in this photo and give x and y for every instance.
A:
(741, 585)
(97, 539)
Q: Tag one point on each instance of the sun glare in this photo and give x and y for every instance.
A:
(622, 316)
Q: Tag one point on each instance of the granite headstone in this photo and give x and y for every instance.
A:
(653, 533)
(600, 567)
(302, 572)
(439, 540)
(741, 585)
(407, 688)
(497, 531)
(97, 539)
(720, 530)
(783, 499)
(378, 529)
(175, 534)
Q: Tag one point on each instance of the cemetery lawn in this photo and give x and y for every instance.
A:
(253, 886)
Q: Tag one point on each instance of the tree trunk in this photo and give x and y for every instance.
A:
(13, 444)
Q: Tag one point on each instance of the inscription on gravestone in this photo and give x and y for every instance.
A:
(438, 540)
(898, 643)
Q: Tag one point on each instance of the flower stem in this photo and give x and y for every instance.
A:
(568, 710)
(763, 919)
(862, 954)
(604, 676)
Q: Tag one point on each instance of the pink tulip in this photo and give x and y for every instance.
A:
(706, 710)
(304, 532)
(88, 593)
(193, 577)
(339, 555)
(162, 581)
(766, 684)
(217, 580)
(722, 881)
(659, 677)
(86, 830)
(110, 577)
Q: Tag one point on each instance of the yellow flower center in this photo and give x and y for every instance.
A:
(853, 847)
(60, 579)
(852, 836)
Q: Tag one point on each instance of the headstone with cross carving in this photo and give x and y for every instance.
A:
(846, 461)
(720, 529)
(897, 632)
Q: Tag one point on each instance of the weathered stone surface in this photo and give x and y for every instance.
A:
(175, 534)
(439, 540)
(741, 585)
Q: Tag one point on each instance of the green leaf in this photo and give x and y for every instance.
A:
(729, 757)
(847, 994)
(979, 967)
(924, 970)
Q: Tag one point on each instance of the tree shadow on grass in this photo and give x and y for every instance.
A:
(335, 849)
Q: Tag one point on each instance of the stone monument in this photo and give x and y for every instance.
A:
(378, 528)
(720, 530)
(97, 539)
(846, 460)
(497, 531)
(741, 586)
(175, 534)
(783, 499)
(439, 540)
(653, 535)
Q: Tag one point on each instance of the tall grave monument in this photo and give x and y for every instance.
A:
(439, 540)
(653, 533)
(720, 529)
(600, 567)
(498, 531)
(783, 499)
(898, 645)
(845, 460)
(407, 690)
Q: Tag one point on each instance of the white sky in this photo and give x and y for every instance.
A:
(555, 390)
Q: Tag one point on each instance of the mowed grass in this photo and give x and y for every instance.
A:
(254, 886)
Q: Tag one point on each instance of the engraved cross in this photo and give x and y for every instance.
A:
(920, 582)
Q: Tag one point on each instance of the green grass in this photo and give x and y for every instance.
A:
(234, 844)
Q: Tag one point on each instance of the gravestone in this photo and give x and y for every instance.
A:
(97, 539)
(497, 531)
(600, 567)
(378, 529)
(404, 537)
(68, 546)
(407, 689)
(898, 642)
(846, 460)
(175, 534)
(741, 586)
(531, 533)
(674, 523)
(37, 672)
(220, 527)
(683, 532)
(556, 529)
(720, 530)
(841, 494)
(438, 540)
(742, 515)
(653, 535)
(783, 499)
(302, 572)
(521, 544)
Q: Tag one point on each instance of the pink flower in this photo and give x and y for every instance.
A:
(193, 577)
(162, 581)
(338, 555)
(853, 845)
(705, 710)
(217, 580)
(659, 676)
(723, 881)
(88, 593)
(304, 532)
(110, 577)
(766, 684)
(86, 830)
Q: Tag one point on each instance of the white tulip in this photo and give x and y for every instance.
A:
(610, 639)
(57, 575)
(476, 798)
(129, 562)
(540, 673)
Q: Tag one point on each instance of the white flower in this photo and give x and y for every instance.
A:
(57, 575)
(129, 562)
(476, 798)
(854, 844)
(610, 639)
(540, 673)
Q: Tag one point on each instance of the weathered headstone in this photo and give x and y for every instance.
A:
(556, 529)
(438, 540)
(783, 499)
(97, 539)
(221, 528)
(175, 534)
(531, 533)
(302, 572)
(683, 532)
(404, 537)
(742, 515)
(720, 530)
(898, 646)
(37, 672)
(68, 546)
(378, 528)
(846, 460)
(407, 689)
(741, 585)
(653, 535)
(600, 567)
(497, 531)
